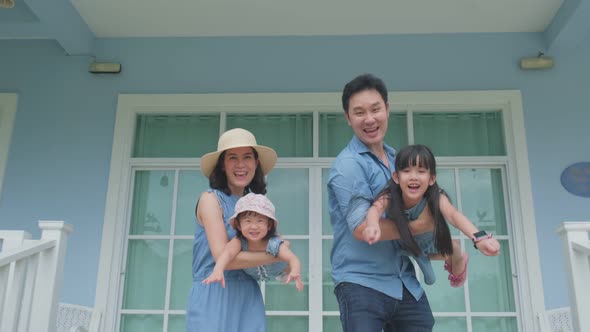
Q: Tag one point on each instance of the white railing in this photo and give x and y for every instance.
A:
(576, 248)
(77, 318)
(31, 273)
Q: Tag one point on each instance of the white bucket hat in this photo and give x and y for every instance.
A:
(254, 202)
(237, 138)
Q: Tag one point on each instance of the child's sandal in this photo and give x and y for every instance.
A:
(459, 279)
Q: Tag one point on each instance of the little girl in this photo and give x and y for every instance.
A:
(411, 189)
(256, 225)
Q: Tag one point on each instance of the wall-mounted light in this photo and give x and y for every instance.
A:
(539, 62)
(6, 4)
(104, 68)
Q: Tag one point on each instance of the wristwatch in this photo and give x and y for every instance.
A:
(481, 235)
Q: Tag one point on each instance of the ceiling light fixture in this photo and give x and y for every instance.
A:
(6, 4)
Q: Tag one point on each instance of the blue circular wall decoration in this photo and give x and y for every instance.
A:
(576, 179)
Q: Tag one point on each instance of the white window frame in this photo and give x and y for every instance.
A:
(529, 300)
(7, 113)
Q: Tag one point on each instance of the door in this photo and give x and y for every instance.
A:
(475, 169)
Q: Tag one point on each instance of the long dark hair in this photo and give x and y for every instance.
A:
(417, 155)
(218, 179)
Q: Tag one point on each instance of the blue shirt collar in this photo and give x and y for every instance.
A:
(358, 146)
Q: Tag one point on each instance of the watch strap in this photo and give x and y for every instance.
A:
(479, 236)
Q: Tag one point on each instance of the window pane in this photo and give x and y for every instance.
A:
(329, 299)
(332, 324)
(147, 263)
(181, 274)
(335, 133)
(152, 203)
(445, 177)
(287, 323)
(495, 324)
(188, 136)
(279, 296)
(176, 323)
(190, 186)
(289, 134)
(483, 199)
(288, 189)
(443, 297)
(461, 133)
(451, 324)
(490, 281)
(326, 223)
(144, 323)
(397, 131)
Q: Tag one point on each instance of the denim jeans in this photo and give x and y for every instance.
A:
(367, 310)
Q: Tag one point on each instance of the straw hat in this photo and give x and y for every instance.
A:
(237, 138)
(254, 202)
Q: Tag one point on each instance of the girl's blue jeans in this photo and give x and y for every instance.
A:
(367, 310)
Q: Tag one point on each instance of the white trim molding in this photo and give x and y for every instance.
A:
(525, 259)
(7, 113)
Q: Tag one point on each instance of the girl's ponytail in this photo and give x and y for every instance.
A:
(442, 234)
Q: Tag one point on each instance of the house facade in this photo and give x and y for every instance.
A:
(116, 156)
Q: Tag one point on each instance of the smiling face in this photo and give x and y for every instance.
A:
(254, 227)
(239, 165)
(368, 115)
(413, 180)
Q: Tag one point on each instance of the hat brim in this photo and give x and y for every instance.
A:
(266, 156)
(232, 219)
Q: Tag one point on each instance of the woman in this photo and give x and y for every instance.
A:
(236, 168)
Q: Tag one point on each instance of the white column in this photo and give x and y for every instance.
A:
(49, 276)
(578, 270)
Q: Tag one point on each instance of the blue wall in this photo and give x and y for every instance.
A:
(59, 158)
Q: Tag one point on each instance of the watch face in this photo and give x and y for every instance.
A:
(480, 234)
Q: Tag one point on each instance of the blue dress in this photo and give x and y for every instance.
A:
(237, 307)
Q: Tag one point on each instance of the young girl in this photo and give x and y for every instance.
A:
(411, 189)
(255, 223)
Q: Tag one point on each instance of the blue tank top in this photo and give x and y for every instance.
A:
(203, 261)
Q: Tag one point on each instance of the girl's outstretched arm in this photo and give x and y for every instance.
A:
(285, 254)
(231, 250)
(489, 247)
(372, 231)
(210, 215)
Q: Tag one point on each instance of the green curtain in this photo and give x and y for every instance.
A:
(461, 133)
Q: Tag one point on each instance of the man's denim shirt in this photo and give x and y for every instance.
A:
(356, 177)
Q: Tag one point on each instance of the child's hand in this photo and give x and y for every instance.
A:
(489, 247)
(215, 276)
(295, 275)
(372, 234)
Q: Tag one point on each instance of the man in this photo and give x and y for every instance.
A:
(376, 288)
